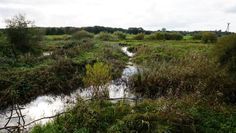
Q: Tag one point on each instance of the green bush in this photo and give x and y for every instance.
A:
(5, 49)
(120, 35)
(105, 36)
(197, 36)
(226, 53)
(139, 36)
(209, 37)
(165, 36)
(96, 78)
(156, 36)
(82, 35)
(173, 36)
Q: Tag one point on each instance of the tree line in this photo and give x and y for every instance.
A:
(131, 30)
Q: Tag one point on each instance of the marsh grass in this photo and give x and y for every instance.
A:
(186, 114)
(188, 74)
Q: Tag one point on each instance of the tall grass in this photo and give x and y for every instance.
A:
(189, 74)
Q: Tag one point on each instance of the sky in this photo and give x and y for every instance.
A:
(186, 15)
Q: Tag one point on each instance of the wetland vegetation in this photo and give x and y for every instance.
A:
(185, 81)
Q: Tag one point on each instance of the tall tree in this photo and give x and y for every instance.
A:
(23, 36)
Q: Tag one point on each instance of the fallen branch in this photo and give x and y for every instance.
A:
(49, 117)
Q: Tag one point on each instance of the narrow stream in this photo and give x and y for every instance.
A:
(48, 105)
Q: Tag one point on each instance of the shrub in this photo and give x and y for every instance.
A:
(82, 35)
(105, 36)
(173, 36)
(120, 35)
(160, 36)
(97, 76)
(197, 36)
(139, 36)
(209, 37)
(5, 49)
(226, 53)
(165, 36)
(156, 36)
(151, 37)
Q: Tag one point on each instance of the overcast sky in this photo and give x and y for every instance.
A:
(149, 14)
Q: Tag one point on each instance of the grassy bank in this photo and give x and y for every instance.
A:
(189, 114)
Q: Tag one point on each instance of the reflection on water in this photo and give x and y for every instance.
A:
(47, 53)
(45, 106)
(125, 50)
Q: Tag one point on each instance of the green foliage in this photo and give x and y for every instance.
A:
(5, 49)
(173, 36)
(105, 36)
(225, 52)
(148, 116)
(23, 36)
(82, 35)
(120, 35)
(103, 116)
(166, 51)
(33, 75)
(139, 36)
(97, 76)
(197, 36)
(57, 37)
(111, 54)
(62, 76)
(209, 37)
(156, 36)
(165, 36)
(176, 77)
(211, 121)
(188, 37)
(73, 48)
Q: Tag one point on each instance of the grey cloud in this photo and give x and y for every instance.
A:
(150, 14)
(231, 9)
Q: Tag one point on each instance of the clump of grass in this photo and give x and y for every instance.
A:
(105, 36)
(139, 36)
(82, 35)
(120, 35)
